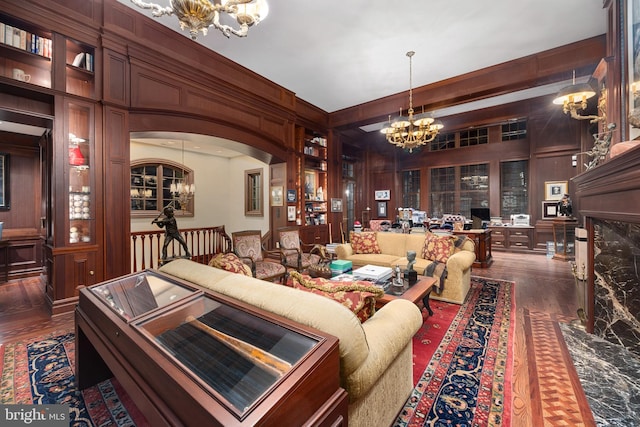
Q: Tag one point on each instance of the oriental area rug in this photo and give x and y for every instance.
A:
(40, 371)
(467, 381)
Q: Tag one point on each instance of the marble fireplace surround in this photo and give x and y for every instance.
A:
(608, 202)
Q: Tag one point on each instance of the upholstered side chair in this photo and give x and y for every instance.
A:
(293, 250)
(247, 245)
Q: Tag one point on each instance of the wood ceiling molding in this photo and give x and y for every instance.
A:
(524, 73)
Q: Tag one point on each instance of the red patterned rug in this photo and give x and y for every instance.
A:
(467, 381)
(40, 371)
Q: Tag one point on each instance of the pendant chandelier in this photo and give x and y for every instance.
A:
(411, 132)
(199, 15)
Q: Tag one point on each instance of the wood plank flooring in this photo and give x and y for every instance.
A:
(545, 386)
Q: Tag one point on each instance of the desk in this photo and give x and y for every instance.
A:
(482, 240)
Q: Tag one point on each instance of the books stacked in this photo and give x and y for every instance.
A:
(24, 40)
(373, 272)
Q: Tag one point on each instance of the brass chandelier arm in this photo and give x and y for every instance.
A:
(200, 15)
(157, 10)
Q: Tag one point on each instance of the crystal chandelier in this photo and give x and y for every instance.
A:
(411, 132)
(199, 15)
(181, 191)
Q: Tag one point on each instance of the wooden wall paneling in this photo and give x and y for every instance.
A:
(115, 75)
(149, 40)
(117, 251)
(278, 214)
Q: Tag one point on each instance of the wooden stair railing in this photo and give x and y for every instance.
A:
(203, 244)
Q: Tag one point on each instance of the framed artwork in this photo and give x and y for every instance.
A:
(277, 195)
(309, 185)
(382, 194)
(4, 182)
(549, 210)
(382, 209)
(554, 190)
(336, 205)
(291, 213)
(291, 196)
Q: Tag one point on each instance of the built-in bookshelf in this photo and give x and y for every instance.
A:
(315, 178)
(25, 52)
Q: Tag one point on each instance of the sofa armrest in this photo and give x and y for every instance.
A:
(388, 332)
(462, 260)
(344, 250)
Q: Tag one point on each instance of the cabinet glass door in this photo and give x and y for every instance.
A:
(79, 164)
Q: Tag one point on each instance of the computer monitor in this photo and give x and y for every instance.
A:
(480, 216)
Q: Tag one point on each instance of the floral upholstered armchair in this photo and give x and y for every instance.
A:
(293, 250)
(247, 245)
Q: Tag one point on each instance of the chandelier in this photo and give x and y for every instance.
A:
(181, 191)
(411, 132)
(199, 15)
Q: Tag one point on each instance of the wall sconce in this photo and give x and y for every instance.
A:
(574, 98)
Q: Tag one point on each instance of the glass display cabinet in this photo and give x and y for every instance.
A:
(194, 357)
(564, 238)
(80, 162)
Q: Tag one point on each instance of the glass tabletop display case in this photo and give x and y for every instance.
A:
(235, 363)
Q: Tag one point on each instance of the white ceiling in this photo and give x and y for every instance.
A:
(336, 54)
(340, 53)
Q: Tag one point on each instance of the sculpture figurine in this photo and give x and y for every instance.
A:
(171, 231)
(564, 206)
(410, 275)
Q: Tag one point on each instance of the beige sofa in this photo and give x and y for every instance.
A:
(375, 356)
(394, 246)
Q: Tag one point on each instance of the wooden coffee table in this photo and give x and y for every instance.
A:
(420, 291)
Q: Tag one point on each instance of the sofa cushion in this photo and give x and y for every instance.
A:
(437, 248)
(230, 262)
(358, 296)
(364, 242)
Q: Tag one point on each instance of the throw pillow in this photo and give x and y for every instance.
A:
(364, 242)
(358, 296)
(230, 262)
(437, 248)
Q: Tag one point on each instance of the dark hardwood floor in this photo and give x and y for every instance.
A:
(546, 391)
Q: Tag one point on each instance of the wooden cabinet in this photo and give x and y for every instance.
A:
(315, 234)
(482, 240)
(512, 238)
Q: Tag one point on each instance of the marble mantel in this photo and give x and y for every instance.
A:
(607, 199)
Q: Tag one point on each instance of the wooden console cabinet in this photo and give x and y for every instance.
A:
(315, 234)
(512, 238)
(191, 357)
(482, 240)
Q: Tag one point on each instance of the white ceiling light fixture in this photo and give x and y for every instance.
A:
(411, 132)
(199, 15)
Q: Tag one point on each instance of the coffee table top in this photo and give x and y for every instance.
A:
(415, 293)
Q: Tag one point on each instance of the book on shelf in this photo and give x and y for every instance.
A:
(78, 61)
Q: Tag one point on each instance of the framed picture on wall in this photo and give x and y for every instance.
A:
(554, 190)
(291, 213)
(549, 209)
(277, 195)
(382, 209)
(382, 194)
(336, 205)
